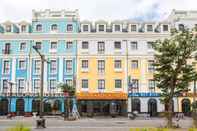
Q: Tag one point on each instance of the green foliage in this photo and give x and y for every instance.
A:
(19, 127)
(66, 88)
(192, 129)
(149, 129)
(173, 72)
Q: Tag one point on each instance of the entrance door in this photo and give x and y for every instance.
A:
(186, 107)
(36, 106)
(20, 107)
(136, 105)
(152, 107)
(4, 107)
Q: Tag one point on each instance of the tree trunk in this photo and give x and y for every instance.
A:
(169, 114)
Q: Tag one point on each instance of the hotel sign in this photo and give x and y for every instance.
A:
(144, 94)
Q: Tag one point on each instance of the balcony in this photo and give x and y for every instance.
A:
(6, 51)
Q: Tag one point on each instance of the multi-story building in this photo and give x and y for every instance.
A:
(21, 65)
(102, 57)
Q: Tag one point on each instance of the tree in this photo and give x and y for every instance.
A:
(69, 92)
(173, 72)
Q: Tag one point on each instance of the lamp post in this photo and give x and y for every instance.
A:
(41, 121)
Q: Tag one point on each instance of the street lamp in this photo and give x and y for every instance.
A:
(41, 121)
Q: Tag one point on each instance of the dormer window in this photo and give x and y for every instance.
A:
(23, 28)
(165, 27)
(54, 27)
(117, 28)
(181, 27)
(69, 27)
(85, 28)
(8, 28)
(133, 28)
(101, 27)
(39, 27)
(149, 28)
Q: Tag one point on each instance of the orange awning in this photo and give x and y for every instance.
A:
(101, 96)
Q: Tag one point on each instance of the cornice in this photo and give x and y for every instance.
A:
(79, 36)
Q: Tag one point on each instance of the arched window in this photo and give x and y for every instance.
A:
(152, 107)
(54, 27)
(39, 27)
(181, 27)
(186, 106)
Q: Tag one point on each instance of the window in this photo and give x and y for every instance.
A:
(134, 64)
(117, 45)
(134, 45)
(117, 27)
(6, 66)
(117, 64)
(133, 28)
(151, 85)
(101, 84)
(135, 85)
(5, 84)
(165, 27)
(22, 46)
(38, 45)
(85, 28)
(101, 66)
(69, 27)
(84, 64)
(69, 45)
(118, 83)
(39, 27)
(150, 45)
(85, 45)
(21, 84)
(151, 66)
(69, 82)
(52, 84)
(101, 27)
(53, 66)
(21, 65)
(195, 26)
(101, 47)
(36, 84)
(84, 83)
(8, 28)
(54, 45)
(37, 66)
(69, 66)
(149, 28)
(181, 27)
(23, 28)
(54, 27)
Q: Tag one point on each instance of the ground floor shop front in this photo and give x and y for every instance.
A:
(105, 104)
(150, 103)
(27, 105)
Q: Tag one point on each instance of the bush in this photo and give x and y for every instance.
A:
(19, 127)
(149, 129)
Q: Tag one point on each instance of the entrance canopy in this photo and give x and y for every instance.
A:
(101, 96)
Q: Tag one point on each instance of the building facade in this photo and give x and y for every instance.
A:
(99, 58)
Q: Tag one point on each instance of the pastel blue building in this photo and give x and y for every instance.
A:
(20, 65)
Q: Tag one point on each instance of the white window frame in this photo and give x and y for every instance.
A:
(40, 30)
(36, 66)
(53, 70)
(9, 68)
(132, 64)
(24, 67)
(101, 66)
(55, 84)
(25, 46)
(116, 83)
(134, 43)
(34, 84)
(69, 29)
(19, 84)
(84, 69)
(69, 45)
(69, 71)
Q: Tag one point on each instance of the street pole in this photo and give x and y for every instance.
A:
(41, 86)
(41, 121)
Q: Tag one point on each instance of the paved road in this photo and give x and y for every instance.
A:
(90, 124)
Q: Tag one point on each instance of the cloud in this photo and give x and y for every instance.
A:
(147, 10)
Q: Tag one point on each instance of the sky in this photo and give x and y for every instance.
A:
(145, 10)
